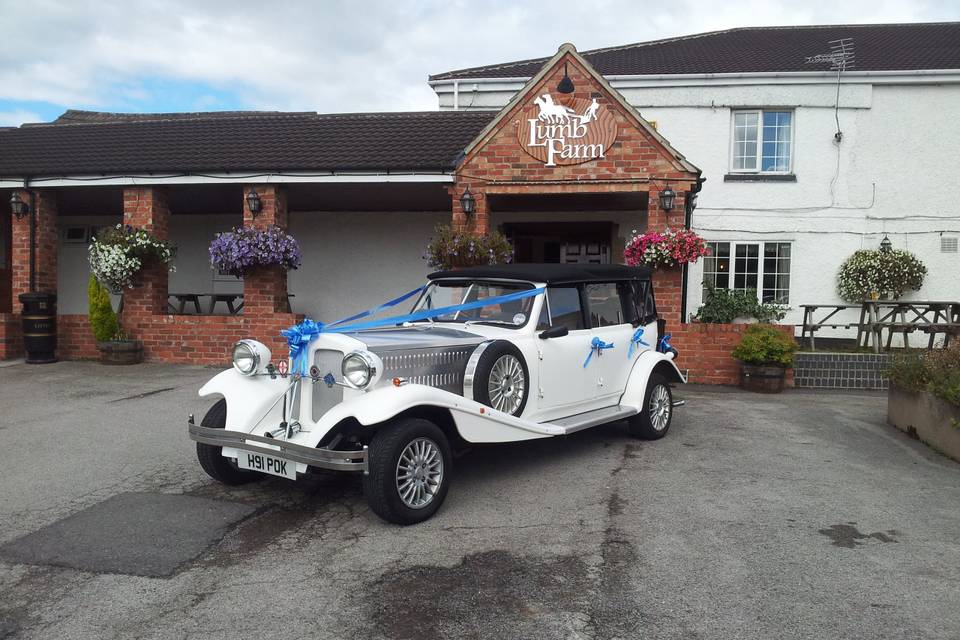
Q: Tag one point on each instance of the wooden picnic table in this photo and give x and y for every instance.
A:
(183, 299)
(893, 316)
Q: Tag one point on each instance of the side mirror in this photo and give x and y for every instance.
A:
(554, 332)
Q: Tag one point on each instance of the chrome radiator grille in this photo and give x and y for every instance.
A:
(441, 368)
(324, 397)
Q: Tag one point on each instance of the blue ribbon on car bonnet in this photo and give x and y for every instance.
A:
(596, 346)
(664, 346)
(635, 341)
(300, 335)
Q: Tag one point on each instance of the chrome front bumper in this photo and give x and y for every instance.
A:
(311, 456)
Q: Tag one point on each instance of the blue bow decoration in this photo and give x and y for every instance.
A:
(298, 337)
(596, 346)
(664, 346)
(635, 341)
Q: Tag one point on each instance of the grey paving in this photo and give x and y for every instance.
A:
(801, 515)
(141, 534)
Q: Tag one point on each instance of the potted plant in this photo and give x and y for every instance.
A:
(665, 249)
(924, 397)
(118, 254)
(870, 274)
(114, 347)
(452, 248)
(765, 353)
(243, 249)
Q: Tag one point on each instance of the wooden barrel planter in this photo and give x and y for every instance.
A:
(121, 352)
(762, 378)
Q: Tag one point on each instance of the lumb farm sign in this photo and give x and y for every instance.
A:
(562, 134)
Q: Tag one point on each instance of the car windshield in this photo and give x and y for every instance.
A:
(514, 313)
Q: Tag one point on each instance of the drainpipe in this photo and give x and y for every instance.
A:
(687, 219)
(33, 234)
(456, 95)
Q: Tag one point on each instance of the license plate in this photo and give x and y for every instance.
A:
(267, 464)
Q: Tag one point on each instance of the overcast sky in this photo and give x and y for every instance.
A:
(197, 55)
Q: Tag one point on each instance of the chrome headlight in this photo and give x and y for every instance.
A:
(360, 369)
(248, 355)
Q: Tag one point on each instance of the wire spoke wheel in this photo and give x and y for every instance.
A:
(660, 407)
(507, 384)
(419, 473)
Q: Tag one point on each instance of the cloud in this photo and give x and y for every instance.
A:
(340, 55)
(18, 117)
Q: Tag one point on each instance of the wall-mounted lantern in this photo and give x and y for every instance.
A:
(885, 245)
(18, 206)
(667, 196)
(566, 84)
(254, 204)
(468, 203)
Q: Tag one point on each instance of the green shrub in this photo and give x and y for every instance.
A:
(765, 344)
(936, 372)
(103, 321)
(723, 305)
(451, 247)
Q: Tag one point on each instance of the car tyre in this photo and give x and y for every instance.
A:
(409, 464)
(653, 421)
(501, 379)
(217, 467)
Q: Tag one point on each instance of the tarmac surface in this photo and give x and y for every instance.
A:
(799, 515)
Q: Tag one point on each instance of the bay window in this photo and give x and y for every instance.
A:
(762, 141)
(763, 266)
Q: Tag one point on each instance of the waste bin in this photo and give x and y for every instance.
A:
(40, 327)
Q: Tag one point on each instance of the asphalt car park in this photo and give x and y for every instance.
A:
(799, 515)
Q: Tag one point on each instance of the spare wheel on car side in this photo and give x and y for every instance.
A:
(497, 376)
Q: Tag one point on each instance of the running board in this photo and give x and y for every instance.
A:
(581, 421)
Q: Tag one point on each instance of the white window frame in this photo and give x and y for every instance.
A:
(760, 270)
(759, 156)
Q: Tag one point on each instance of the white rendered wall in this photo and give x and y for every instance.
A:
(353, 261)
(73, 268)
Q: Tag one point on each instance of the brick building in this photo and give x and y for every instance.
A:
(568, 169)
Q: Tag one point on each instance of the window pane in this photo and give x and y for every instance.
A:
(565, 307)
(716, 267)
(605, 305)
(776, 140)
(745, 138)
(746, 266)
(776, 272)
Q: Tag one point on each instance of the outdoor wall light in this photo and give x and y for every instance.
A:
(18, 206)
(667, 197)
(468, 203)
(566, 84)
(885, 245)
(253, 202)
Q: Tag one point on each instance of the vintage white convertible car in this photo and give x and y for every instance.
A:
(487, 355)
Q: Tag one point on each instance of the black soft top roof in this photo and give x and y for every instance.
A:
(549, 273)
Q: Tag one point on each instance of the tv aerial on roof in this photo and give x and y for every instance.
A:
(841, 56)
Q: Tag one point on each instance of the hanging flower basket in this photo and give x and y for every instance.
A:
(118, 254)
(453, 249)
(879, 274)
(665, 249)
(239, 251)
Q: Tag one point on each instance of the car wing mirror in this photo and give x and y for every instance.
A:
(554, 332)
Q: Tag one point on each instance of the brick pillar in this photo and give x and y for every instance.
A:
(146, 208)
(265, 288)
(479, 222)
(46, 247)
(667, 283)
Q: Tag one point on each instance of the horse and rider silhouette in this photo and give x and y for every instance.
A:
(554, 113)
